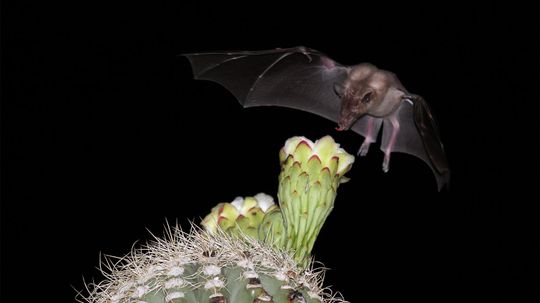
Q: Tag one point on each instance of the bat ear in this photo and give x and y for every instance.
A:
(339, 89)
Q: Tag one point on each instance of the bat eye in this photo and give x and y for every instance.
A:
(367, 97)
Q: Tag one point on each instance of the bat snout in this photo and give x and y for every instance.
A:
(345, 123)
(341, 127)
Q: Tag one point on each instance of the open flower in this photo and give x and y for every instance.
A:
(324, 151)
(310, 174)
(241, 215)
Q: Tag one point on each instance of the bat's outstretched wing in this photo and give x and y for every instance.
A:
(299, 78)
(418, 135)
(304, 79)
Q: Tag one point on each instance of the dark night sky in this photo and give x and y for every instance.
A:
(106, 135)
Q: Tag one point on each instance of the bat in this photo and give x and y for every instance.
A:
(359, 97)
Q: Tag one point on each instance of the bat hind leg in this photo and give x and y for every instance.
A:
(365, 147)
(386, 162)
(371, 129)
(390, 147)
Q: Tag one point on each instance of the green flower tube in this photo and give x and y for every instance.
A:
(309, 178)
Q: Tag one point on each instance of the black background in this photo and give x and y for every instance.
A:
(106, 135)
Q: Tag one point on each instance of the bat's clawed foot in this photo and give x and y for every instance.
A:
(386, 163)
(364, 148)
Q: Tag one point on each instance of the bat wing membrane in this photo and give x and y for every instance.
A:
(418, 136)
(297, 78)
(428, 129)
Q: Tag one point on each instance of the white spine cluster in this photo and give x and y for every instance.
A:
(164, 264)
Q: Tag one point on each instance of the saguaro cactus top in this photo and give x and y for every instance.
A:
(252, 250)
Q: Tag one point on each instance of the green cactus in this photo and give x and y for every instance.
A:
(251, 251)
(203, 267)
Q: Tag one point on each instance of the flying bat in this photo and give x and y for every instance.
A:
(359, 97)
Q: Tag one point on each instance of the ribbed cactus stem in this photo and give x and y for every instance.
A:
(309, 178)
(199, 267)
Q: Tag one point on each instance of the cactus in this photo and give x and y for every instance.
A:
(204, 267)
(250, 251)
